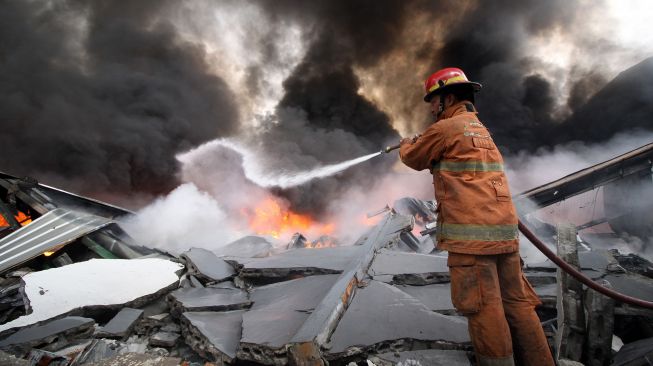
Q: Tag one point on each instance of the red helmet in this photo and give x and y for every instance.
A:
(444, 78)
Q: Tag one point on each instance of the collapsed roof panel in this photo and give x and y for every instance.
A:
(52, 230)
(410, 268)
(106, 283)
(406, 320)
(207, 299)
(638, 160)
(247, 247)
(207, 266)
(278, 313)
(436, 297)
(423, 357)
(215, 335)
(304, 261)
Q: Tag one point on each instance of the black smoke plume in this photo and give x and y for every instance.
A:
(100, 95)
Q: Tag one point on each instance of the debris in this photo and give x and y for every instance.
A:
(423, 357)
(107, 283)
(300, 262)
(571, 319)
(214, 335)
(297, 241)
(134, 359)
(207, 299)
(436, 297)
(247, 247)
(407, 324)
(277, 314)
(164, 339)
(207, 266)
(41, 336)
(410, 269)
(46, 234)
(121, 325)
(599, 312)
(41, 357)
(61, 260)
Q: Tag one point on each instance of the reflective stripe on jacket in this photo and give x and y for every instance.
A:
(475, 211)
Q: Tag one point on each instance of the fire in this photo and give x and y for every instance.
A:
(272, 217)
(22, 218)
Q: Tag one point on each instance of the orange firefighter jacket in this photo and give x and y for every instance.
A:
(475, 210)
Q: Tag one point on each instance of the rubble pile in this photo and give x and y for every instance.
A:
(75, 289)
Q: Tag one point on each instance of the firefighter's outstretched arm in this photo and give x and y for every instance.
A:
(422, 151)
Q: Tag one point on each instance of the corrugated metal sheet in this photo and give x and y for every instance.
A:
(55, 228)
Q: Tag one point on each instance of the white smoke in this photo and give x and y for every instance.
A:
(185, 218)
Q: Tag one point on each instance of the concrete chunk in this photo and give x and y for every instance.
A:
(135, 359)
(436, 297)
(304, 262)
(164, 339)
(40, 335)
(121, 324)
(278, 312)
(97, 283)
(207, 299)
(410, 268)
(247, 247)
(213, 335)
(635, 353)
(407, 324)
(205, 265)
(424, 357)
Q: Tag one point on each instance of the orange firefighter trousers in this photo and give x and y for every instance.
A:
(499, 303)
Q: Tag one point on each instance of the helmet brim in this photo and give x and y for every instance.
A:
(476, 86)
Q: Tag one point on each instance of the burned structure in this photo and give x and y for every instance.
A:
(75, 289)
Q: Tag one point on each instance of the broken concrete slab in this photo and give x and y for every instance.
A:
(136, 359)
(548, 294)
(164, 339)
(205, 265)
(213, 335)
(247, 247)
(423, 357)
(407, 324)
(41, 335)
(632, 284)
(277, 314)
(410, 268)
(635, 353)
(106, 283)
(121, 325)
(7, 359)
(436, 297)
(207, 299)
(304, 262)
(541, 278)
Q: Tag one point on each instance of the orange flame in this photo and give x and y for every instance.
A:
(273, 218)
(22, 218)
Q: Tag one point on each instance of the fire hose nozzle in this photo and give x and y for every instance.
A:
(388, 149)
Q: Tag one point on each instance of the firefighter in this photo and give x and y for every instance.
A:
(477, 225)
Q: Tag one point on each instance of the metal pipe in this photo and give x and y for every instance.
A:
(579, 275)
(388, 149)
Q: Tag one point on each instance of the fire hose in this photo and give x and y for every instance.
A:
(579, 275)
